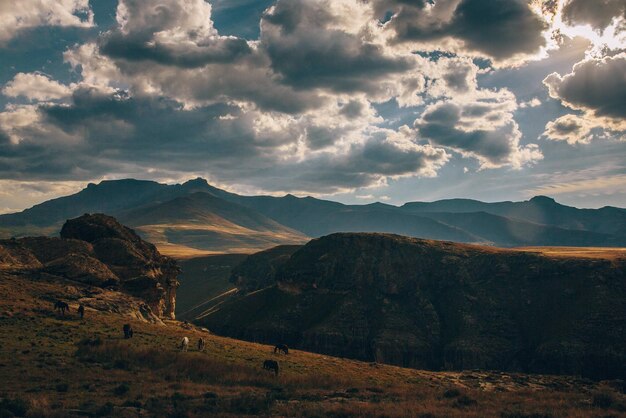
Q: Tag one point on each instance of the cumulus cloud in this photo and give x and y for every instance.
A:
(16, 16)
(499, 29)
(572, 129)
(36, 87)
(577, 129)
(483, 129)
(98, 133)
(319, 43)
(171, 33)
(596, 86)
(162, 91)
(597, 13)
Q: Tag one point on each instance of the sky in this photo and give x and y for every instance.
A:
(350, 100)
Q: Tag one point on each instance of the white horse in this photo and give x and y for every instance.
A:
(184, 344)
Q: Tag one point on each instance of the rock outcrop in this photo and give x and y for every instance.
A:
(439, 305)
(96, 250)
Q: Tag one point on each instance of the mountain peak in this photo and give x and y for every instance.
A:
(543, 200)
(197, 182)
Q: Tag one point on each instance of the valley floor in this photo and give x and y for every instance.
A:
(64, 366)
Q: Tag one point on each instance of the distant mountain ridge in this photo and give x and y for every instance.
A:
(195, 216)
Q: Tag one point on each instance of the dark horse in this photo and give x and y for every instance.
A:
(128, 331)
(61, 307)
(271, 365)
(281, 348)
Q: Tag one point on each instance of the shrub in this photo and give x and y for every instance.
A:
(16, 406)
(105, 410)
(132, 404)
(518, 414)
(452, 393)
(464, 400)
(122, 389)
(62, 387)
(602, 400)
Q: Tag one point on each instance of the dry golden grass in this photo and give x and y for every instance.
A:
(66, 367)
(606, 253)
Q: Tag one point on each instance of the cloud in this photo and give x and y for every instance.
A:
(36, 87)
(483, 129)
(576, 129)
(570, 128)
(603, 184)
(16, 16)
(534, 102)
(170, 33)
(498, 29)
(98, 133)
(331, 45)
(596, 86)
(598, 13)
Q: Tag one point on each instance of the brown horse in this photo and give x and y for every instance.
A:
(201, 344)
(281, 348)
(61, 307)
(271, 365)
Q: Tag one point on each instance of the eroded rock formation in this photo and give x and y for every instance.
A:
(97, 250)
(438, 305)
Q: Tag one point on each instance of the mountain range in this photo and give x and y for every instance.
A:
(195, 217)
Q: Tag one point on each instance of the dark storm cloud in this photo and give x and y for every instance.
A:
(594, 85)
(499, 28)
(597, 13)
(309, 50)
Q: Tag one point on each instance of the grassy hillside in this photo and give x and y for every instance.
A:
(56, 366)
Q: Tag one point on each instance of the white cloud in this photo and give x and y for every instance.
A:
(36, 87)
(16, 16)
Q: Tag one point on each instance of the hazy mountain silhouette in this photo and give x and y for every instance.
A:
(197, 215)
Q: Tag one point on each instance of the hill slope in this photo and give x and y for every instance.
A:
(61, 366)
(202, 221)
(439, 305)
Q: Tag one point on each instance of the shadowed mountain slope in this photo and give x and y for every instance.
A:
(439, 305)
(539, 210)
(196, 218)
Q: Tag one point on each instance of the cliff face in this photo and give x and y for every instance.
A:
(439, 305)
(97, 250)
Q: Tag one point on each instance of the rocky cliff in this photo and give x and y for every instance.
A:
(439, 305)
(97, 250)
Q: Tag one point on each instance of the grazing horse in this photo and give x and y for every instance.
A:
(281, 348)
(271, 365)
(61, 307)
(81, 311)
(201, 344)
(128, 331)
(184, 344)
